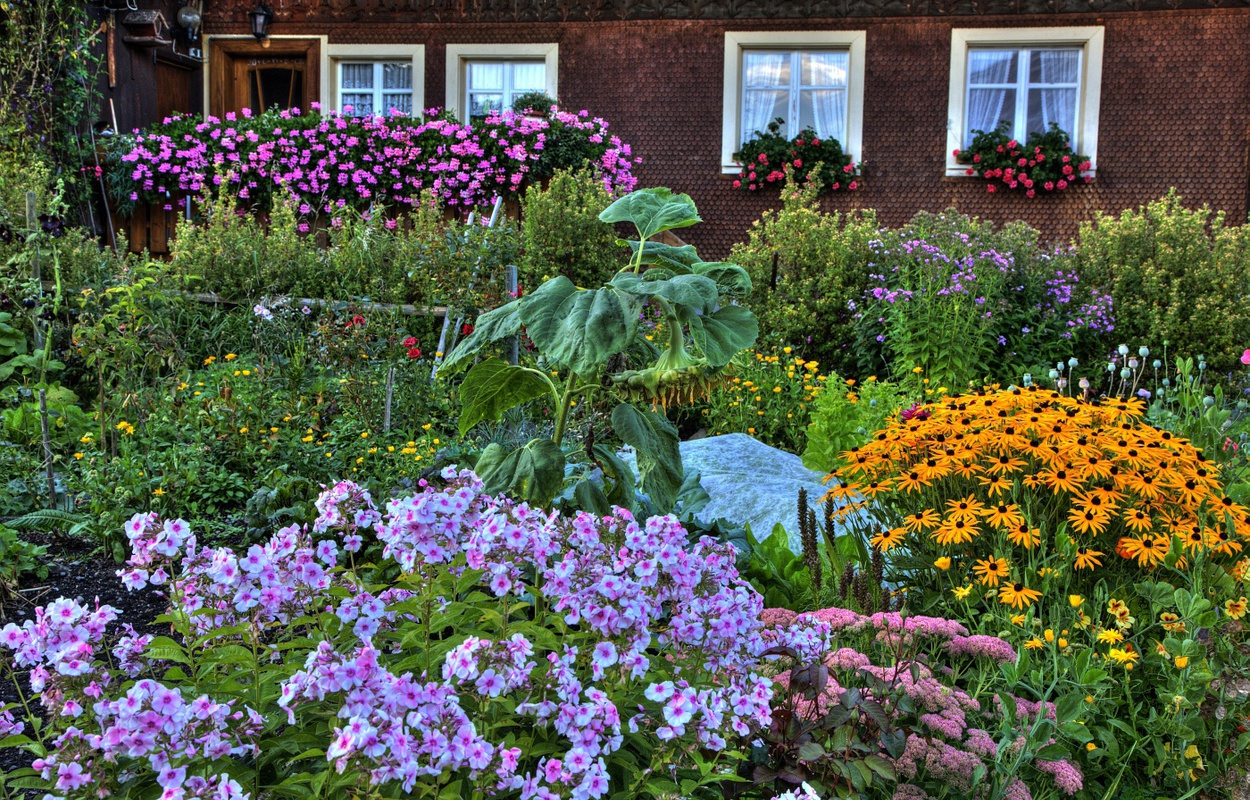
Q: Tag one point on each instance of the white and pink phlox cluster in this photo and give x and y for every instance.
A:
(59, 646)
(395, 727)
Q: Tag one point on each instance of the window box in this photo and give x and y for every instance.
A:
(1024, 79)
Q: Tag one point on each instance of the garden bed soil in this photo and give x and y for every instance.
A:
(77, 570)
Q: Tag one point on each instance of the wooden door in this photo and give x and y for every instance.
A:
(245, 74)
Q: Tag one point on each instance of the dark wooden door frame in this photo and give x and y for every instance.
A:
(223, 51)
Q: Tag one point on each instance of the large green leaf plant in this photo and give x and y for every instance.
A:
(584, 339)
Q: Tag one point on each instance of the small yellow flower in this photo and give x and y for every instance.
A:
(158, 491)
(1091, 747)
(306, 439)
(961, 592)
(237, 373)
(1111, 637)
(273, 430)
(243, 429)
(1018, 619)
(126, 428)
(1191, 751)
(1075, 600)
(209, 360)
(246, 372)
(1049, 635)
(364, 435)
(1063, 642)
(78, 456)
(329, 454)
(390, 448)
(751, 431)
(86, 439)
(231, 356)
(943, 563)
(786, 350)
(917, 370)
(1181, 662)
(1034, 644)
(1089, 698)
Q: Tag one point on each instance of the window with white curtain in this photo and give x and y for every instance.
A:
(493, 85)
(808, 79)
(803, 88)
(375, 87)
(1025, 78)
(1028, 88)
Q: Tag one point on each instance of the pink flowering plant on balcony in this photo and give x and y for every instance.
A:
(325, 160)
(1043, 164)
(768, 155)
(455, 645)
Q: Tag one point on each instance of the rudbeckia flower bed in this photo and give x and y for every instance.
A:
(462, 645)
(1088, 538)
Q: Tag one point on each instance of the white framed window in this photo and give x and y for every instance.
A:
(1025, 78)
(373, 79)
(493, 85)
(375, 87)
(490, 76)
(807, 79)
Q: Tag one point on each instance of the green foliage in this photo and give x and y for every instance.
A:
(417, 257)
(590, 335)
(48, 69)
(539, 102)
(769, 157)
(1177, 275)
(846, 415)
(821, 263)
(562, 233)
(770, 397)
(18, 558)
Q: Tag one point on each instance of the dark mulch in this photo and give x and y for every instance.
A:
(78, 571)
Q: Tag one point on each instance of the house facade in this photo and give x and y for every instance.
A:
(1157, 94)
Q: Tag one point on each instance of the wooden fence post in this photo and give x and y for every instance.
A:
(47, 447)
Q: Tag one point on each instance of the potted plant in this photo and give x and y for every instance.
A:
(1045, 163)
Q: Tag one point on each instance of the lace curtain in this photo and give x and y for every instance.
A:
(988, 104)
(1055, 104)
(803, 88)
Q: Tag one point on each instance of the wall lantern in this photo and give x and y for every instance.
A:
(261, 16)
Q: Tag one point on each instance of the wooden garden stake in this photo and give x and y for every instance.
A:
(390, 393)
(47, 447)
(514, 346)
(32, 221)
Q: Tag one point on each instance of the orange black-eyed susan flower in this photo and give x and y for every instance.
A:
(1088, 558)
(990, 571)
(1017, 595)
(955, 531)
(1003, 516)
(886, 540)
(1148, 550)
(922, 520)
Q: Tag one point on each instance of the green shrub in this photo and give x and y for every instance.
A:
(562, 234)
(966, 302)
(1176, 275)
(821, 266)
(845, 419)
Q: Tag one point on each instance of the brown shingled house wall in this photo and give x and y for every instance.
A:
(1175, 108)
